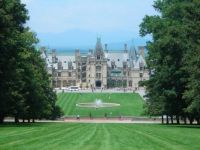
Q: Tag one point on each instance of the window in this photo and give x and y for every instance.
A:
(98, 75)
(130, 83)
(112, 64)
(70, 67)
(124, 65)
(98, 57)
(141, 75)
(118, 59)
(60, 65)
(59, 74)
(141, 66)
(98, 68)
(69, 74)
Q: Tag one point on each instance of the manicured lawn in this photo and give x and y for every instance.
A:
(131, 104)
(77, 136)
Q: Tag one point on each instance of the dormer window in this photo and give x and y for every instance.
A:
(70, 67)
(141, 65)
(124, 65)
(112, 64)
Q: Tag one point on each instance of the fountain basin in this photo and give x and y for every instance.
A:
(97, 104)
(93, 105)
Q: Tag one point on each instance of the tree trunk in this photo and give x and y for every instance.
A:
(162, 119)
(1, 118)
(198, 121)
(33, 120)
(185, 120)
(191, 120)
(28, 120)
(177, 119)
(23, 120)
(172, 119)
(167, 119)
(16, 119)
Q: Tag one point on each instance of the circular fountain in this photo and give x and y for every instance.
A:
(97, 104)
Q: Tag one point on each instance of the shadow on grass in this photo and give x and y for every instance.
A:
(11, 124)
(183, 126)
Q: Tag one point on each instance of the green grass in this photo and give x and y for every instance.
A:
(59, 136)
(131, 104)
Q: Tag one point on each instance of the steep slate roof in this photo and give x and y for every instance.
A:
(117, 57)
(65, 59)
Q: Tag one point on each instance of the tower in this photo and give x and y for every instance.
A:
(99, 54)
(97, 67)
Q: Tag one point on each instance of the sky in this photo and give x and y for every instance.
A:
(77, 23)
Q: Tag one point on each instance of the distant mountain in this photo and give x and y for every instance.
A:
(77, 39)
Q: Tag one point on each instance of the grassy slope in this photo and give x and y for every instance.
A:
(99, 137)
(131, 104)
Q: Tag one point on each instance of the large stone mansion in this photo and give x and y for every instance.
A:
(99, 68)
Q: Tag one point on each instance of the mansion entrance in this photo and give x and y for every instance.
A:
(98, 84)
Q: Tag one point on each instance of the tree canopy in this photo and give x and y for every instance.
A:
(173, 59)
(24, 83)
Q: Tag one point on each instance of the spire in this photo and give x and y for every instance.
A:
(133, 53)
(99, 49)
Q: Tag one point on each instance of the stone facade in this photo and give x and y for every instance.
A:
(99, 68)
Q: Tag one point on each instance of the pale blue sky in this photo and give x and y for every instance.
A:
(77, 23)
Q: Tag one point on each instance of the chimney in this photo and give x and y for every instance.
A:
(53, 56)
(141, 51)
(91, 51)
(77, 52)
(125, 48)
(106, 48)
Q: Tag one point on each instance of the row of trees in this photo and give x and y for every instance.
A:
(174, 60)
(25, 91)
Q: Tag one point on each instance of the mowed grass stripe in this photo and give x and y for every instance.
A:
(164, 137)
(39, 135)
(126, 138)
(67, 136)
(100, 137)
(159, 142)
(80, 141)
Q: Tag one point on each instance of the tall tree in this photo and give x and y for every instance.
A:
(24, 82)
(12, 18)
(170, 52)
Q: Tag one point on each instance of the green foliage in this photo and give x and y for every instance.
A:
(24, 83)
(173, 57)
